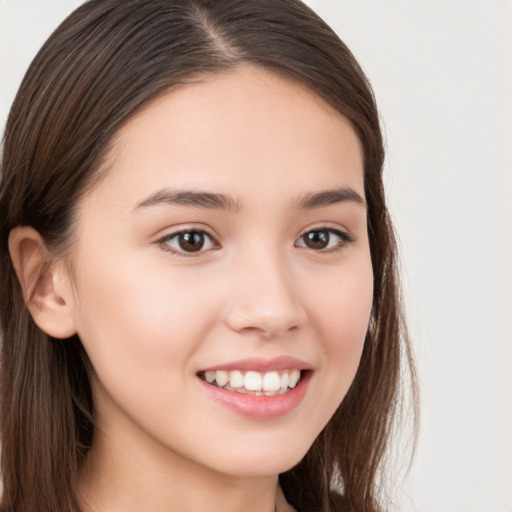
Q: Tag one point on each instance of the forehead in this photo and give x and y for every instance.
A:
(248, 127)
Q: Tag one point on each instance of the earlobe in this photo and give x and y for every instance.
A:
(44, 282)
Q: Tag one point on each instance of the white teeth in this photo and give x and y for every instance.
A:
(236, 379)
(271, 381)
(284, 381)
(221, 377)
(260, 384)
(294, 378)
(253, 381)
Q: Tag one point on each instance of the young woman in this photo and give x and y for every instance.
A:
(199, 300)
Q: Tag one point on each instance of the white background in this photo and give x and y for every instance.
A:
(442, 72)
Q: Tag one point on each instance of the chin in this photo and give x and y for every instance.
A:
(264, 460)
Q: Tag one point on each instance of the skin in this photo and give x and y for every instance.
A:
(151, 315)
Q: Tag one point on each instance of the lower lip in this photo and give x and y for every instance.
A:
(260, 407)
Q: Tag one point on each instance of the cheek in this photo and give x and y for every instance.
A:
(140, 333)
(132, 318)
(344, 305)
(342, 314)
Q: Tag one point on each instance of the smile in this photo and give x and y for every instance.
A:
(252, 382)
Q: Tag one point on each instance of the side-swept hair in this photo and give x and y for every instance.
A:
(101, 65)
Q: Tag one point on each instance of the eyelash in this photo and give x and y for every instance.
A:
(164, 242)
(343, 240)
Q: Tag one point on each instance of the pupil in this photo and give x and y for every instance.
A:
(317, 239)
(191, 242)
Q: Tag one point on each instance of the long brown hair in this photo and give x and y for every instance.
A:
(101, 65)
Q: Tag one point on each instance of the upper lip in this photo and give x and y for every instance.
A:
(262, 364)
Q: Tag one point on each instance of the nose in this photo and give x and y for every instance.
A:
(265, 299)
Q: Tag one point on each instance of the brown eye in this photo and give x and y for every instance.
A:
(317, 239)
(189, 242)
(324, 239)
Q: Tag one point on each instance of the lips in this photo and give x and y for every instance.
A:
(262, 389)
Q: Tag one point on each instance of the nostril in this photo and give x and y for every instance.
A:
(267, 322)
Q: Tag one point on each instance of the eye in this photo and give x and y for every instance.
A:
(324, 239)
(191, 241)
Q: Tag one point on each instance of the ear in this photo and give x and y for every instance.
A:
(45, 283)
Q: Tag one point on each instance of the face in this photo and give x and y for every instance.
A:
(222, 274)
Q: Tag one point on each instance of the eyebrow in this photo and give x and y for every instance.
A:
(208, 200)
(330, 197)
(216, 201)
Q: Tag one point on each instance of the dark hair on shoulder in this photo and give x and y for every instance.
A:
(101, 65)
